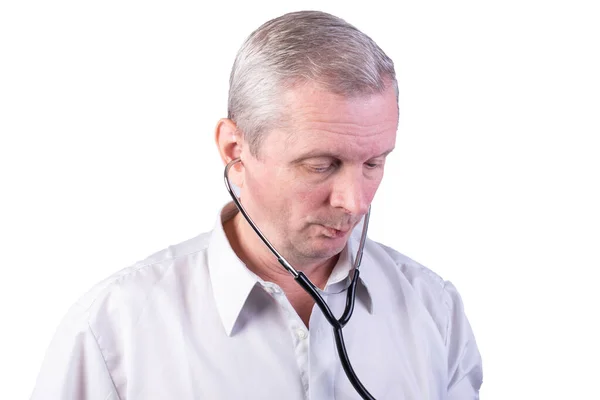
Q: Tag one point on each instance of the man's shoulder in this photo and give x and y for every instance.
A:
(133, 284)
(435, 293)
(414, 272)
(439, 296)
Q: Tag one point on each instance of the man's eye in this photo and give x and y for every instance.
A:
(373, 165)
(320, 168)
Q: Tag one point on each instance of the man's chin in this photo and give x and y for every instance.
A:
(326, 248)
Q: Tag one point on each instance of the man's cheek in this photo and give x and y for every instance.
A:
(310, 194)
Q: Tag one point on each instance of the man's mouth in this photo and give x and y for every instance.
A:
(335, 233)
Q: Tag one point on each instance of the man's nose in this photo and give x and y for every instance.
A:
(349, 192)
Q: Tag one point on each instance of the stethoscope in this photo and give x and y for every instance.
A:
(313, 291)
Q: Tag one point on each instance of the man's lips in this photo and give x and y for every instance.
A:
(334, 232)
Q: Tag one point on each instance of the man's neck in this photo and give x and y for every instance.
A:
(258, 258)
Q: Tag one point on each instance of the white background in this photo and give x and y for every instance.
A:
(107, 113)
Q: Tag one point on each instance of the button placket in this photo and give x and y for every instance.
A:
(297, 329)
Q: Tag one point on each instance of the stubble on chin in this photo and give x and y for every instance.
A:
(309, 249)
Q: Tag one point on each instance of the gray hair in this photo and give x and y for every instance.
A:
(297, 48)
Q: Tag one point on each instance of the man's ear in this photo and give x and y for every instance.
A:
(230, 144)
(228, 139)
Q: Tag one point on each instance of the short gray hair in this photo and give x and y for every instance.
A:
(297, 48)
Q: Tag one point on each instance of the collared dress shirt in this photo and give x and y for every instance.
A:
(192, 322)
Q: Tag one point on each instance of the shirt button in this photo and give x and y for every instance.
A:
(302, 334)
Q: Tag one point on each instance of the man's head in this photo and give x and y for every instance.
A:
(313, 112)
(292, 50)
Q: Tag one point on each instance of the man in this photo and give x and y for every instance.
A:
(313, 113)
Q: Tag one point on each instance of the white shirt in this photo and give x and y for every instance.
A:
(192, 322)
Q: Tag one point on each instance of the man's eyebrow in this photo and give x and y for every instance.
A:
(316, 154)
(385, 153)
(328, 154)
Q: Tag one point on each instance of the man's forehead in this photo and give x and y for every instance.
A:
(316, 121)
(300, 145)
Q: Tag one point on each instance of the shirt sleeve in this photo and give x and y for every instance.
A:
(73, 367)
(465, 373)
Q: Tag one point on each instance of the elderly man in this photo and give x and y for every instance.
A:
(313, 114)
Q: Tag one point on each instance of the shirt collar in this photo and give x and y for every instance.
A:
(232, 282)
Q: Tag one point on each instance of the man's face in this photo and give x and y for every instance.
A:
(314, 180)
